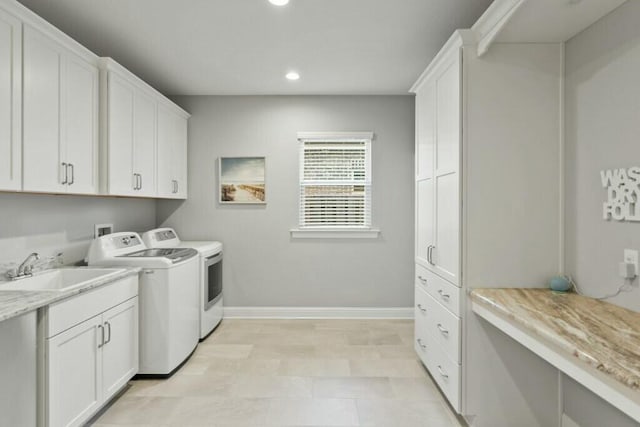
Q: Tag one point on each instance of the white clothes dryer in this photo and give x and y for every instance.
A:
(210, 273)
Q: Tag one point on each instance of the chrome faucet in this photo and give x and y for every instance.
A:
(25, 269)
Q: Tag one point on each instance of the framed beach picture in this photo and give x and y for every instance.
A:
(242, 180)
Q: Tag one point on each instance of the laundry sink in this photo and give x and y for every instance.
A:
(60, 279)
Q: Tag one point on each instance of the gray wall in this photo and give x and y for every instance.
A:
(263, 265)
(34, 215)
(602, 132)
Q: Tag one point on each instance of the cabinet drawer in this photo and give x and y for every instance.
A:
(441, 290)
(447, 376)
(421, 338)
(72, 311)
(444, 328)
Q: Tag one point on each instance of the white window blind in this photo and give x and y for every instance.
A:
(335, 180)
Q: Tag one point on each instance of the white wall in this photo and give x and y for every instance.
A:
(263, 266)
(41, 222)
(602, 132)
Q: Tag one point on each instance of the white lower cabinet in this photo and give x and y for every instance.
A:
(437, 333)
(74, 388)
(87, 360)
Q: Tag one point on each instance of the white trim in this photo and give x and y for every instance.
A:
(110, 65)
(335, 233)
(492, 21)
(612, 391)
(335, 136)
(458, 39)
(30, 18)
(562, 168)
(318, 312)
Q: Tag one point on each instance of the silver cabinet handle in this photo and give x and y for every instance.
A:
(108, 332)
(101, 336)
(422, 309)
(73, 174)
(422, 279)
(140, 185)
(443, 295)
(430, 255)
(135, 181)
(442, 373)
(442, 330)
(419, 341)
(177, 186)
(66, 170)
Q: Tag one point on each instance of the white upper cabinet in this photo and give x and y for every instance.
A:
(172, 152)
(119, 166)
(60, 116)
(71, 122)
(10, 102)
(130, 124)
(438, 138)
(144, 139)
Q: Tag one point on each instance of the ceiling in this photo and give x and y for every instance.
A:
(245, 47)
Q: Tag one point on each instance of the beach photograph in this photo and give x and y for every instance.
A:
(242, 180)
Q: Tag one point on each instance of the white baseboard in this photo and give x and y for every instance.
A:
(318, 313)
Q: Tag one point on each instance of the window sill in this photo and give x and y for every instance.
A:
(335, 233)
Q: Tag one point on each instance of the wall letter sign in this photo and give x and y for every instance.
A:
(623, 193)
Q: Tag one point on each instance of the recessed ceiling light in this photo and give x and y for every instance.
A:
(292, 75)
(278, 2)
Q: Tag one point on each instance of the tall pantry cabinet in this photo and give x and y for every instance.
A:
(487, 194)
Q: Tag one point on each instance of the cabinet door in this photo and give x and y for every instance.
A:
(424, 219)
(172, 154)
(166, 180)
(42, 159)
(446, 254)
(120, 351)
(180, 155)
(144, 143)
(121, 180)
(74, 388)
(81, 123)
(425, 130)
(10, 102)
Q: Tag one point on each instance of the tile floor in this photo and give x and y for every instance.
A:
(292, 373)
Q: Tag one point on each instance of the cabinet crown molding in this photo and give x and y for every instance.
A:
(111, 65)
(459, 39)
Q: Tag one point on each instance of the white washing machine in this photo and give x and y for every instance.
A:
(168, 298)
(211, 304)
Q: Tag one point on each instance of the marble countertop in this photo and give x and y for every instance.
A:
(14, 303)
(603, 335)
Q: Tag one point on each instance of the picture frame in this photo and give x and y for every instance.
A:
(241, 180)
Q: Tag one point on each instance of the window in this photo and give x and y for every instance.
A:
(335, 184)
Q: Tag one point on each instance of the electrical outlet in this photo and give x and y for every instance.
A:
(631, 257)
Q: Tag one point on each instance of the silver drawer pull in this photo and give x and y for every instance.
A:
(442, 373)
(442, 330)
(419, 341)
(443, 295)
(422, 279)
(422, 309)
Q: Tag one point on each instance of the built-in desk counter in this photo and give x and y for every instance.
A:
(591, 341)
